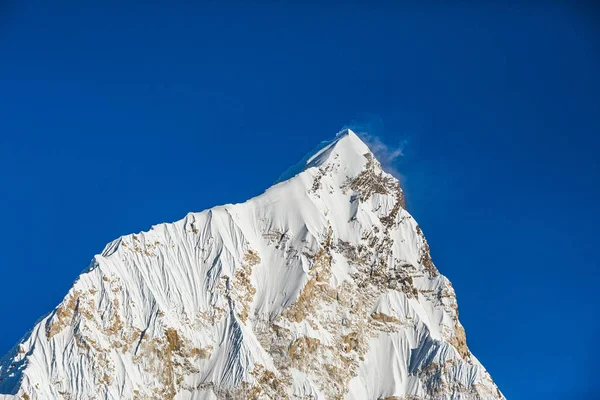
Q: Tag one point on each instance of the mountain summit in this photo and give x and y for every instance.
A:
(320, 288)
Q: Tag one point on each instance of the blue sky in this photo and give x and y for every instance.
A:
(116, 117)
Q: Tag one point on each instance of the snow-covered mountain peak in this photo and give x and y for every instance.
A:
(347, 149)
(322, 287)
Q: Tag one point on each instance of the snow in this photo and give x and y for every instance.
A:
(280, 296)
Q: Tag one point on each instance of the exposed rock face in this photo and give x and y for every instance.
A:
(321, 288)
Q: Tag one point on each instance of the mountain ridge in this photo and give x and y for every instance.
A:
(301, 292)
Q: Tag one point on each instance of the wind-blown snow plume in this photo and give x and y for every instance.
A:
(387, 154)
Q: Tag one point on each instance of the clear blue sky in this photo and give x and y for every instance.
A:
(116, 117)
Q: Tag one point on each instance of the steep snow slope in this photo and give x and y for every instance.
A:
(320, 288)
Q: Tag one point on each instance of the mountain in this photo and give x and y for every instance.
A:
(323, 287)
